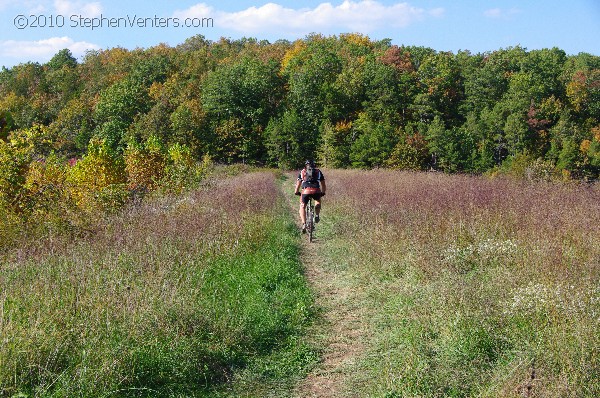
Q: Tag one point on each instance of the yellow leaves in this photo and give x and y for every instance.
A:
(162, 49)
(577, 94)
(596, 133)
(11, 104)
(188, 116)
(298, 47)
(11, 101)
(551, 107)
(74, 118)
(45, 186)
(156, 90)
(44, 173)
(357, 39)
(343, 126)
(13, 162)
(102, 180)
(144, 166)
(97, 171)
(182, 171)
(589, 147)
(115, 56)
(38, 136)
(230, 133)
(410, 153)
(582, 90)
(585, 146)
(180, 154)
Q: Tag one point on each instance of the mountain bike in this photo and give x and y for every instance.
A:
(310, 219)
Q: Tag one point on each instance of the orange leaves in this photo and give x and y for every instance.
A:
(585, 146)
(399, 58)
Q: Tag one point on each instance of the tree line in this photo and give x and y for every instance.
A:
(347, 101)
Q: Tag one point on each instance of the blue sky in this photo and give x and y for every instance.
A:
(35, 30)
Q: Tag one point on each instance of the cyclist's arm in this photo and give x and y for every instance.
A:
(323, 187)
(298, 182)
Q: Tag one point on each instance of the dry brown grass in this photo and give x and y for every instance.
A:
(471, 284)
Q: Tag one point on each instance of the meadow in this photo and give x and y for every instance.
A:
(437, 286)
(174, 297)
(466, 286)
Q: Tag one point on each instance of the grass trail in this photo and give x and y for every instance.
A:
(342, 327)
(432, 285)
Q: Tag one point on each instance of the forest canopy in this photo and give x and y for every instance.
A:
(346, 100)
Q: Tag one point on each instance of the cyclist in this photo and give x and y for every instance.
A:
(312, 182)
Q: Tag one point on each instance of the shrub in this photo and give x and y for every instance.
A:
(96, 177)
(541, 170)
(410, 153)
(15, 157)
(523, 165)
(144, 164)
(45, 185)
(182, 171)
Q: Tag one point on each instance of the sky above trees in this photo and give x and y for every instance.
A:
(36, 30)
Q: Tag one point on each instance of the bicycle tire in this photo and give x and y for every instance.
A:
(310, 220)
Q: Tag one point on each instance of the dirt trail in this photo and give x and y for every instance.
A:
(340, 329)
(339, 332)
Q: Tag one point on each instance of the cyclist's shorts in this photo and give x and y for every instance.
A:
(305, 197)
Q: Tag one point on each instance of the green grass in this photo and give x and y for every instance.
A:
(472, 287)
(462, 286)
(196, 296)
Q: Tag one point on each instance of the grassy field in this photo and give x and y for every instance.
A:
(466, 286)
(197, 296)
(419, 285)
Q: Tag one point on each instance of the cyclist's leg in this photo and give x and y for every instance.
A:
(302, 211)
(318, 199)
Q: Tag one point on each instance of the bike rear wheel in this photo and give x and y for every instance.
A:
(310, 220)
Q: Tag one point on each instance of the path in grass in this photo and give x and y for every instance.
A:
(462, 286)
(340, 329)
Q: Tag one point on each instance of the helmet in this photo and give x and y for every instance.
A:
(309, 162)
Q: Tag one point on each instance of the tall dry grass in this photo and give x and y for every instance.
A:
(477, 287)
(172, 298)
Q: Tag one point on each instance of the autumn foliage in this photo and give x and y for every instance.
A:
(139, 120)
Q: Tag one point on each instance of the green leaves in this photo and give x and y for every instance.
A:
(240, 98)
(116, 109)
(345, 99)
(63, 58)
(374, 143)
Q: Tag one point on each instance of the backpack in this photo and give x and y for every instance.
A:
(310, 177)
